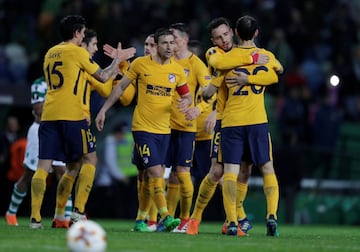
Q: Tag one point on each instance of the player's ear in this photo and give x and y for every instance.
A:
(256, 33)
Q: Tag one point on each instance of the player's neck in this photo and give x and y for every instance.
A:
(161, 60)
(73, 41)
(182, 54)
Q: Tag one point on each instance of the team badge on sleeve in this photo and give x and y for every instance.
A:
(212, 51)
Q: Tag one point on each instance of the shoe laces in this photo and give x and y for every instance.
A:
(245, 225)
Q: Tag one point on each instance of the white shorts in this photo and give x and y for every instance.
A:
(32, 149)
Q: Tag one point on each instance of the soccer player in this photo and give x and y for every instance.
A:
(158, 76)
(38, 92)
(183, 128)
(222, 37)
(88, 166)
(64, 132)
(125, 99)
(245, 126)
(149, 49)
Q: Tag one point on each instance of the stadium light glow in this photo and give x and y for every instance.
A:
(334, 80)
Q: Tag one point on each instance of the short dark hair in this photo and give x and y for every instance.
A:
(215, 23)
(70, 24)
(89, 34)
(161, 32)
(246, 27)
(182, 27)
(195, 47)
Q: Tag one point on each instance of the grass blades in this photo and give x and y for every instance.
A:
(120, 238)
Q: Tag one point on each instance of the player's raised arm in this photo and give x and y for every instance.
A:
(118, 55)
(114, 96)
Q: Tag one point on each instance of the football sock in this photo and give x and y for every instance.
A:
(186, 194)
(153, 212)
(139, 188)
(84, 185)
(229, 196)
(172, 197)
(64, 189)
(157, 190)
(38, 186)
(206, 191)
(145, 200)
(240, 198)
(17, 198)
(271, 190)
(68, 207)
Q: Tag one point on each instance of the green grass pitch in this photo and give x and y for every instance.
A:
(120, 238)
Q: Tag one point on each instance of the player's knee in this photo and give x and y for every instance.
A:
(215, 175)
(267, 168)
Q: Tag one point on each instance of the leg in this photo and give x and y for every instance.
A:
(173, 192)
(85, 181)
(271, 191)
(242, 188)
(38, 186)
(206, 191)
(229, 190)
(17, 196)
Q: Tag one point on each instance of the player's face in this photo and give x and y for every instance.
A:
(149, 46)
(92, 46)
(165, 46)
(222, 36)
(180, 39)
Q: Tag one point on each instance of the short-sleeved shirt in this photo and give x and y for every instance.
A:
(156, 86)
(64, 67)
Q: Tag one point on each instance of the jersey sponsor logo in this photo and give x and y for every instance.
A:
(172, 78)
(158, 91)
(207, 77)
(188, 161)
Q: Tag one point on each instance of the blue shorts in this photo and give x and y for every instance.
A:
(151, 147)
(65, 141)
(244, 142)
(202, 159)
(181, 149)
(215, 144)
(136, 159)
